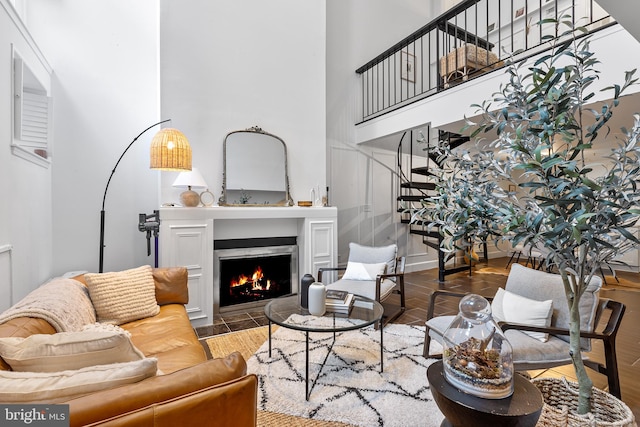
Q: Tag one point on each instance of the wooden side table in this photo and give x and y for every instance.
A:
(521, 409)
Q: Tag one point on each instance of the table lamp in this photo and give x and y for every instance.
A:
(190, 179)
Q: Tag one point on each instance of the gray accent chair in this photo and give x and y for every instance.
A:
(530, 353)
(383, 286)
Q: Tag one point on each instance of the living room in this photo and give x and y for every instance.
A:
(113, 69)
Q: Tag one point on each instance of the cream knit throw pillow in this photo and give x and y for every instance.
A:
(123, 296)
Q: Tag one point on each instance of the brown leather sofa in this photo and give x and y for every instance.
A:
(192, 389)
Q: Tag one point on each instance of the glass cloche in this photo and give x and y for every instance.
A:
(477, 357)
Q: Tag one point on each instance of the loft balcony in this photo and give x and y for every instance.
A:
(466, 43)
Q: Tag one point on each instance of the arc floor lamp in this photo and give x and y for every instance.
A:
(170, 151)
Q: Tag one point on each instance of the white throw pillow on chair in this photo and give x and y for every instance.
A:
(514, 308)
(362, 271)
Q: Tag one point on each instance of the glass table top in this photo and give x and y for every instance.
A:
(286, 311)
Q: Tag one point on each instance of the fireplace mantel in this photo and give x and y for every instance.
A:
(187, 235)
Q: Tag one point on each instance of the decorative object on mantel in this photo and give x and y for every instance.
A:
(170, 151)
(207, 198)
(255, 170)
(316, 197)
(189, 180)
(561, 402)
(317, 298)
(477, 357)
(305, 203)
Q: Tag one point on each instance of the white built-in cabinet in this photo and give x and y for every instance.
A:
(187, 243)
(187, 238)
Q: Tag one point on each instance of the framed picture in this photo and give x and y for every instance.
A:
(407, 66)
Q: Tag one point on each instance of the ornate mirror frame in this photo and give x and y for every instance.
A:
(243, 154)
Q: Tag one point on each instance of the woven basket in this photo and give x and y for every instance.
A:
(468, 56)
(561, 403)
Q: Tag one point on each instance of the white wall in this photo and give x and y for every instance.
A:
(25, 187)
(363, 184)
(105, 59)
(225, 65)
(230, 65)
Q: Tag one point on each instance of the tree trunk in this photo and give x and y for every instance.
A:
(584, 382)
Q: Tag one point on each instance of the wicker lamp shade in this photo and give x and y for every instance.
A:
(170, 150)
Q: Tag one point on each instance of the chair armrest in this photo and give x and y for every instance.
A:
(505, 326)
(609, 331)
(435, 295)
(551, 330)
(323, 269)
(389, 276)
(615, 318)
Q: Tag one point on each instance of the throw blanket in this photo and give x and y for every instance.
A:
(64, 303)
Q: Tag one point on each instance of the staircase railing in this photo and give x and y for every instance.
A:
(468, 40)
(418, 182)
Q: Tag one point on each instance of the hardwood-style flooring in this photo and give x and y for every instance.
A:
(420, 285)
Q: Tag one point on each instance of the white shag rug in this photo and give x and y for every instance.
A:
(350, 388)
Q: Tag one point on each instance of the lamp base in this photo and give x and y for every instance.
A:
(189, 198)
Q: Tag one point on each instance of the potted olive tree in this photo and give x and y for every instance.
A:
(570, 198)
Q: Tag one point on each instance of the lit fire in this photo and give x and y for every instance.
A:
(256, 280)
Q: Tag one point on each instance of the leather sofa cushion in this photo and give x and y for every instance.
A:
(168, 336)
(170, 388)
(23, 327)
(171, 285)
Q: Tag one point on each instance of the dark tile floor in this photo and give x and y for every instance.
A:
(223, 324)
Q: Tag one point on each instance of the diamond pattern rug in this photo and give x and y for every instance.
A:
(350, 388)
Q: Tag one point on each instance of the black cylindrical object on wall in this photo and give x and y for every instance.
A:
(305, 282)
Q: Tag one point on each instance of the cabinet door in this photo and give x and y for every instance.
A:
(186, 245)
(321, 245)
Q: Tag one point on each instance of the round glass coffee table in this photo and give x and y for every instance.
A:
(287, 312)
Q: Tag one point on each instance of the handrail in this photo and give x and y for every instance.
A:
(417, 34)
(482, 33)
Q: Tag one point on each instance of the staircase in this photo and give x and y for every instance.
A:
(420, 184)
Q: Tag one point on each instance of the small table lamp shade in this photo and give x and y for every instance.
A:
(189, 180)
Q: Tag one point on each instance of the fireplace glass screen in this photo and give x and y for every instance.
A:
(250, 279)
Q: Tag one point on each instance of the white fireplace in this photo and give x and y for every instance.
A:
(188, 237)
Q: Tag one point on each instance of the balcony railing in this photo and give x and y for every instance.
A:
(467, 41)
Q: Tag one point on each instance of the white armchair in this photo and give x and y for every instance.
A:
(374, 272)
